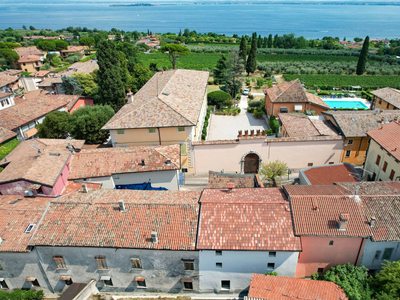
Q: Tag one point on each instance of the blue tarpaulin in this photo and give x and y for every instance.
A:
(145, 186)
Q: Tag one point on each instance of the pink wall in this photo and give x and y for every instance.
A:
(81, 103)
(62, 180)
(15, 188)
(297, 154)
(317, 253)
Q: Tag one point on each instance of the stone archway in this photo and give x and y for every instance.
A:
(250, 163)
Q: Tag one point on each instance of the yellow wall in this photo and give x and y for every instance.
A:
(384, 105)
(30, 66)
(358, 150)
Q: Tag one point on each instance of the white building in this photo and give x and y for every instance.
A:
(6, 100)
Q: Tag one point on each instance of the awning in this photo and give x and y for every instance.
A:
(30, 132)
(34, 186)
(187, 279)
(65, 278)
(139, 278)
(105, 277)
(30, 279)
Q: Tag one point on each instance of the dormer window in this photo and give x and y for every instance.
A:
(29, 228)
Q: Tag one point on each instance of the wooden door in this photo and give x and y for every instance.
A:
(251, 163)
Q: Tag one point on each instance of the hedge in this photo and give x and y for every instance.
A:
(217, 98)
(205, 126)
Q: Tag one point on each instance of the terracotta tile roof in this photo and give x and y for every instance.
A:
(24, 163)
(357, 123)
(41, 73)
(49, 81)
(16, 214)
(324, 127)
(371, 188)
(73, 49)
(91, 162)
(29, 58)
(6, 134)
(218, 180)
(95, 220)
(81, 67)
(297, 125)
(286, 288)
(292, 92)
(30, 95)
(390, 95)
(246, 219)
(142, 41)
(329, 174)
(25, 51)
(388, 137)
(77, 186)
(171, 98)
(386, 211)
(5, 95)
(319, 215)
(29, 110)
(305, 190)
(6, 79)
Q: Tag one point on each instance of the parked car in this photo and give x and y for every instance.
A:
(246, 92)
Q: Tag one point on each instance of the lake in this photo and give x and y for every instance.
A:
(311, 21)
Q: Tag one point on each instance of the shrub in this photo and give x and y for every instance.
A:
(251, 97)
(217, 98)
(273, 124)
(228, 103)
(254, 104)
(270, 132)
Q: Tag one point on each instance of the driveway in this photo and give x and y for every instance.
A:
(227, 127)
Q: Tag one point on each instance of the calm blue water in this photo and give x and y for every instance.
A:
(346, 104)
(311, 21)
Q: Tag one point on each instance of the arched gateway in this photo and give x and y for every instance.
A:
(250, 162)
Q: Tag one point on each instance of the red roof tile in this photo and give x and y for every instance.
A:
(95, 220)
(246, 219)
(77, 186)
(305, 190)
(328, 174)
(388, 137)
(6, 134)
(91, 162)
(15, 218)
(286, 288)
(371, 188)
(29, 58)
(319, 215)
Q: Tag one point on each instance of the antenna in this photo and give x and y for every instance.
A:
(38, 149)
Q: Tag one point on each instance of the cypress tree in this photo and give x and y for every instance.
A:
(270, 41)
(259, 42)
(265, 42)
(362, 59)
(220, 70)
(275, 40)
(111, 87)
(243, 48)
(251, 64)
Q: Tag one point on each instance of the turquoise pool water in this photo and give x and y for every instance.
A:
(346, 104)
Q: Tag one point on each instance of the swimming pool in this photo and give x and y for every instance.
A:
(346, 104)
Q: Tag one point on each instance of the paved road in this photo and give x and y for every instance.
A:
(227, 127)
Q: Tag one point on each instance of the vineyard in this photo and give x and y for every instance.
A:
(345, 81)
(302, 58)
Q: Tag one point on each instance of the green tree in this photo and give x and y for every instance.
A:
(60, 45)
(386, 283)
(233, 73)
(139, 76)
(243, 48)
(56, 125)
(186, 32)
(265, 42)
(175, 51)
(118, 38)
(87, 41)
(357, 39)
(24, 27)
(10, 56)
(275, 43)
(217, 98)
(269, 41)
(362, 59)
(70, 86)
(219, 70)
(32, 28)
(352, 279)
(111, 87)
(273, 170)
(251, 63)
(87, 83)
(259, 42)
(46, 45)
(260, 82)
(86, 123)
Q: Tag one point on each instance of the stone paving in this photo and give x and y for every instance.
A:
(227, 127)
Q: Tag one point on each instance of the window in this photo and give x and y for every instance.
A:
(184, 170)
(188, 285)
(310, 164)
(29, 228)
(218, 265)
(36, 283)
(387, 106)
(107, 280)
(67, 279)
(272, 254)
(60, 262)
(331, 162)
(120, 131)
(218, 252)
(373, 176)
(330, 243)
(283, 110)
(141, 282)
(298, 107)
(225, 284)
(391, 175)
(101, 262)
(350, 142)
(23, 64)
(181, 129)
(320, 270)
(387, 253)
(136, 263)
(53, 87)
(152, 130)
(378, 160)
(271, 266)
(188, 265)
(183, 149)
(348, 152)
(384, 166)
(3, 284)
(380, 101)
(377, 254)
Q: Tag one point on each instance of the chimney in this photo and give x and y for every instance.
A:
(258, 132)
(129, 97)
(372, 222)
(343, 220)
(84, 188)
(246, 133)
(154, 237)
(240, 133)
(121, 205)
(230, 186)
(252, 132)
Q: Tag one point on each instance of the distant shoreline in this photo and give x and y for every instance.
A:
(262, 3)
